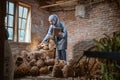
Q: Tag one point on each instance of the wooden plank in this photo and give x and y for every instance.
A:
(56, 31)
(56, 4)
(103, 55)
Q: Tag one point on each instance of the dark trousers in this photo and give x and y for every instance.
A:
(61, 54)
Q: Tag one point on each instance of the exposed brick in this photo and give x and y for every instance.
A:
(101, 18)
(39, 27)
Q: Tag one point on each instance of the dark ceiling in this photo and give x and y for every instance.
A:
(59, 5)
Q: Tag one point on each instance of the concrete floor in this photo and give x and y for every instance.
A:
(47, 78)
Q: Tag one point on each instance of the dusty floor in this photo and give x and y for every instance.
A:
(47, 78)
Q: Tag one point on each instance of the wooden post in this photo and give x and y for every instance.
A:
(2, 36)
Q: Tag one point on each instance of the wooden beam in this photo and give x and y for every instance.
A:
(63, 9)
(95, 2)
(66, 2)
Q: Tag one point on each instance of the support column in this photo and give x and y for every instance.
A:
(2, 36)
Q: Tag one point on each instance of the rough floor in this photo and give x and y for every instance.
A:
(47, 78)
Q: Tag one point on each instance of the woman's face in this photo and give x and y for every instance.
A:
(52, 22)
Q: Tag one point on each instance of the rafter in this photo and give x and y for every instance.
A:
(56, 4)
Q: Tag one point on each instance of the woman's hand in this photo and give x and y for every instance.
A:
(60, 34)
(40, 45)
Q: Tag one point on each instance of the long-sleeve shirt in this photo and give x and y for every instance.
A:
(62, 43)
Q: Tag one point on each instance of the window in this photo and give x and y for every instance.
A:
(18, 22)
(9, 19)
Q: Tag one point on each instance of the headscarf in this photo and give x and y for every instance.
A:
(55, 18)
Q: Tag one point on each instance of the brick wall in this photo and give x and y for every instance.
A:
(100, 18)
(38, 29)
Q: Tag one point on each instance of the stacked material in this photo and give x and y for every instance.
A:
(42, 62)
(36, 62)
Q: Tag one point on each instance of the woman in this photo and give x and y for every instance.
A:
(61, 41)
